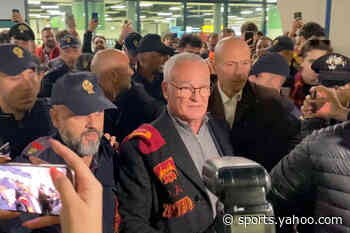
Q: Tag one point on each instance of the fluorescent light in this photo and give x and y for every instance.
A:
(108, 19)
(174, 8)
(164, 13)
(142, 17)
(44, 16)
(50, 6)
(177, 16)
(118, 7)
(247, 12)
(54, 12)
(33, 2)
(112, 28)
(145, 4)
(258, 9)
(208, 14)
(34, 15)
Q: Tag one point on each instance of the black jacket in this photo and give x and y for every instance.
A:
(36, 123)
(314, 179)
(135, 107)
(263, 129)
(50, 79)
(141, 195)
(87, 42)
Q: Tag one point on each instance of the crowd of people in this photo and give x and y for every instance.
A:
(137, 123)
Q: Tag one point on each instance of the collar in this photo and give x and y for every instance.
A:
(183, 123)
(226, 99)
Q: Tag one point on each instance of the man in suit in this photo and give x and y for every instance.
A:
(262, 129)
(160, 188)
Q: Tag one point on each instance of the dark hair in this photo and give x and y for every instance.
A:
(169, 36)
(312, 29)
(4, 37)
(46, 29)
(249, 26)
(314, 44)
(190, 39)
(61, 34)
(95, 37)
(260, 33)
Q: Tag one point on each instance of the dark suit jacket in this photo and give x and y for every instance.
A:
(141, 195)
(263, 130)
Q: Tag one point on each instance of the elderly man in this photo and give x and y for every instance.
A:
(261, 127)
(135, 105)
(23, 117)
(160, 188)
(78, 114)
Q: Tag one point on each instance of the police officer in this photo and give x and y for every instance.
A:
(130, 45)
(22, 35)
(23, 117)
(333, 70)
(70, 50)
(78, 114)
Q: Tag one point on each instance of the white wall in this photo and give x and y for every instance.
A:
(339, 33)
(315, 10)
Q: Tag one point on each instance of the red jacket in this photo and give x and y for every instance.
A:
(39, 52)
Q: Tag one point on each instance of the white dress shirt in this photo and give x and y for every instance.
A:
(230, 105)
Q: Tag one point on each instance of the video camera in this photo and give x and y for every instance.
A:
(241, 185)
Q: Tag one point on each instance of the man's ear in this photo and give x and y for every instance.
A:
(165, 89)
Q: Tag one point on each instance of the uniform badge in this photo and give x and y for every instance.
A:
(22, 28)
(88, 87)
(68, 39)
(18, 52)
(166, 171)
(334, 61)
(35, 147)
(136, 43)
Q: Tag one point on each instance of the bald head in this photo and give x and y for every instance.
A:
(233, 46)
(113, 71)
(109, 59)
(232, 64)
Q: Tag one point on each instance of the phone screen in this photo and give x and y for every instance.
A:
(298, 16)
(29, 188)
(95, 16)
(15, 11)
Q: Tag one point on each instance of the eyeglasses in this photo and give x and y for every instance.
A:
(186, 92)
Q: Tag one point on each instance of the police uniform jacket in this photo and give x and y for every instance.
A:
(102, 166)
(35, 124)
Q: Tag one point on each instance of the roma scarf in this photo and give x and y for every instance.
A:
(152, 145)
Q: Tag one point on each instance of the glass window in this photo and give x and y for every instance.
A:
(52, 13)
(115, 14)
(201, 17)
(161, 17)
(273, 18)
(238, 14)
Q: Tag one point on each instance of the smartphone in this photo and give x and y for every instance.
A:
(298, 16)
(313, 95)
(249, 35)
(28, 188)
(95, 16)
(15, 11)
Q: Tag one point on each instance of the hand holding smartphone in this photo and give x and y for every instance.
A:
(29, 188)
(95, 17)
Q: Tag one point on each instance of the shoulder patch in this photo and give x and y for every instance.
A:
(150, 139)
(36, 147)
